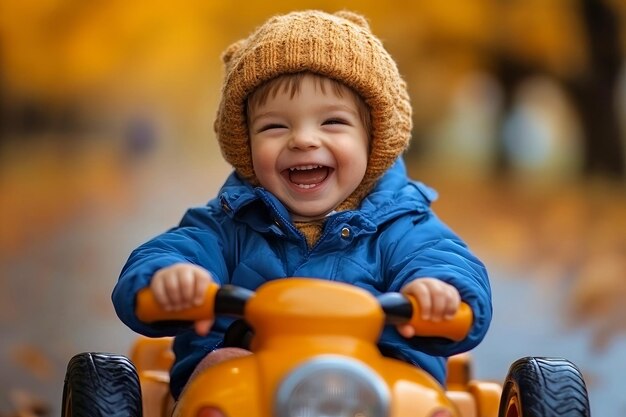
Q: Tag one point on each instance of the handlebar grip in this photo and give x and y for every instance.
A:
(456, 328)
(148, 309)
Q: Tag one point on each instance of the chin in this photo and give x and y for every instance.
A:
(308, 216)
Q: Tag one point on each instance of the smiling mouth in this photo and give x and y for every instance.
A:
(308, 176)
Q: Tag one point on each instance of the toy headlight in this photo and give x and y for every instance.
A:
(332, 387)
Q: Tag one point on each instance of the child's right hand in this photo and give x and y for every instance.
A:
(182, 286)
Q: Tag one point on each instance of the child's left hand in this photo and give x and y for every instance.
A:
(438, 301)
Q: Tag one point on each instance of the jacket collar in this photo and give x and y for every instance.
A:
(394, 195)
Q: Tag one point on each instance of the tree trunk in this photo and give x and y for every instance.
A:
(595, 93)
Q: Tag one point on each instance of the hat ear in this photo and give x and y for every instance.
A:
(231, 50)
(355, 18)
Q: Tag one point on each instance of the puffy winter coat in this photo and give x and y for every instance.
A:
(244, 237)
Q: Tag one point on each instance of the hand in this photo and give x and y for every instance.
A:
(438, 301)
(182, 286)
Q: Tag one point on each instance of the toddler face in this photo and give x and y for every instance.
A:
(309, 148)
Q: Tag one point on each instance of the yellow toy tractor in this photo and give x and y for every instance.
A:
(314, 354)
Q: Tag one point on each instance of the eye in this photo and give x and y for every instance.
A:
(336, 121)
(271, 126)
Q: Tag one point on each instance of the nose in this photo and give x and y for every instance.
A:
(304, 139)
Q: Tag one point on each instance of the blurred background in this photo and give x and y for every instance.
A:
(106, 112)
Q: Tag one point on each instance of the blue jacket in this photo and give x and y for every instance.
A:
(244, 237)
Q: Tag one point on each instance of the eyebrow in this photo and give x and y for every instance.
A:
(262, 115)
(343, 107)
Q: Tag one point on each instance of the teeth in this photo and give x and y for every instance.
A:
(306, 186)
(304, 168)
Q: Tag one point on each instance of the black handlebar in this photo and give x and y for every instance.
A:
(397, 308)
(231, 300)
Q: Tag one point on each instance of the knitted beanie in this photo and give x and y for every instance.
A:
(338, 46)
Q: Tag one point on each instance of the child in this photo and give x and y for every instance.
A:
(314, 117)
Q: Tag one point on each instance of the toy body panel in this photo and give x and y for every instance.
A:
(232, 386)
(247, 386)
(295, 321)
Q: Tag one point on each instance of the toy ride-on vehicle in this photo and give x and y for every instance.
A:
(314, 355)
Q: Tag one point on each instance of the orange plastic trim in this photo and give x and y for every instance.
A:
(149, 311)
(455, 329)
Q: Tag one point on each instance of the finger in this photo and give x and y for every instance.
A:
(172, 289)
(423, 297)
(202, 281)
(157, 286)
(406, 330)
(439, 300)
(202, 327)
(454, 302)
(186, 282)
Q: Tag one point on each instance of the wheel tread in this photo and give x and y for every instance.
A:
(548, 387)
(102, 385)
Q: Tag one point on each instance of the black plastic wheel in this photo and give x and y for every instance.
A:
(101, 385)
(544, 387)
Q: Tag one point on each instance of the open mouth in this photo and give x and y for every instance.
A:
(308, 176)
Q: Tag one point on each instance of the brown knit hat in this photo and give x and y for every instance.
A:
(339, 46)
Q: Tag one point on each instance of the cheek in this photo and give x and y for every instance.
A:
(360, 164)
(257, 152)
(359, 157)
(263, 160)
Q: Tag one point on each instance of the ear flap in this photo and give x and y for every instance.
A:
(354, 18)
(231, 50)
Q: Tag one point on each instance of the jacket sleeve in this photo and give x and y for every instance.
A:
(429, 248)
(197, 240)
